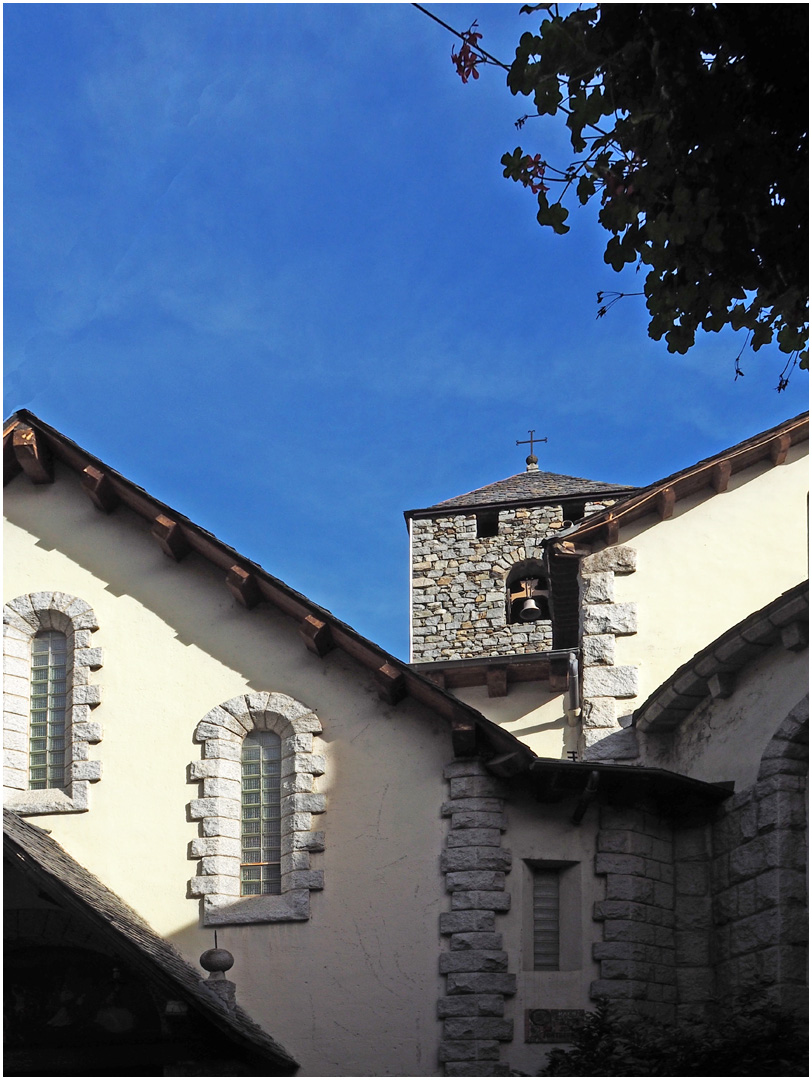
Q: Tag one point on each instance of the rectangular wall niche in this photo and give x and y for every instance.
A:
(553, 940)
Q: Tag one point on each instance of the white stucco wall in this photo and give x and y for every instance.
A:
(353, 990)
(546, 833)
(724, 739)
(530, 712)
(716, 561)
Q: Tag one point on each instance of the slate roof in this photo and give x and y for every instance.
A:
(527, 487)
(43, 861)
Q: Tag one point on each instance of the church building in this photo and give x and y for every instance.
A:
(242, 839)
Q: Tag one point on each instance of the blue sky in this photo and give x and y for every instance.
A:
(261, 259)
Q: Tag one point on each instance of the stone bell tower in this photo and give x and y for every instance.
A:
(481, 606)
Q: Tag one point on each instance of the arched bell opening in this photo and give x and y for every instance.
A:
(528, 593)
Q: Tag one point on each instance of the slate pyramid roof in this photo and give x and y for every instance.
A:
(529, 487)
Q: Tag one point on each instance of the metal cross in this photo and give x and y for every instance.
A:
(531, 440)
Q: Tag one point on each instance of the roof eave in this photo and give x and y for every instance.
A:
(714, 473)
(319, 629)
(441, 510)
(711, 672)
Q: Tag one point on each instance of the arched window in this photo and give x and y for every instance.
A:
(260, 759)
(527, 593)
(46, 746)
(260, 825)
(47, 702)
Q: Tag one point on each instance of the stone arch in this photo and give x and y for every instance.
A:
(527, 569)
(23, 618)
(221, 732)
(790, 744)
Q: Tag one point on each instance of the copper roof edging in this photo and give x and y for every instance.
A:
(687, 687)
(276, 592)
(47, 862)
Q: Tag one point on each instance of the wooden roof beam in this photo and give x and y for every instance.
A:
(11, 466)
(779, 448)
(463, 736)
(720, 475)
(243, 587)
(391, 684)
(666, 500)
(170, 536)
(316, 635)
(100, 489)
(33, 455)
(496, 678)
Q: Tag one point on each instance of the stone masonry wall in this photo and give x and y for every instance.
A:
(475, 964)
(635, 852)
(759, 885)
(459, 592)
(709, 905)
(606, 686)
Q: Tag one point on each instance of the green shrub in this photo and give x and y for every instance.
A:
(751, 1038)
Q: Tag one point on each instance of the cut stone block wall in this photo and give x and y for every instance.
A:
(475, 963)
(634, 850)
(459, 592)
(606, 686)
(697, 912)
(759, 873)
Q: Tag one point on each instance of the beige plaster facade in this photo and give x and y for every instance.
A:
(176, 645)
(716, 560)
(531, 712)
(402, 942)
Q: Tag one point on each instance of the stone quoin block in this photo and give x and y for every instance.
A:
(494, 901)
(618, 682)
(480, 941)
(598, 649)
(470, 921)
(478, 1028)
(616, 619)
(599, 588)
(476, 858)
(473, 960)
(474, 879)
(481, 983)
(471, 1005)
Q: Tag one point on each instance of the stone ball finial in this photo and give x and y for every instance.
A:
(532, 463)
(216, 960)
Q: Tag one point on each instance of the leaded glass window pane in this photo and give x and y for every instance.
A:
(261, 836)
(46, 750)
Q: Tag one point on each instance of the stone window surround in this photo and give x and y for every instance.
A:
(23, 618)
(221, 731)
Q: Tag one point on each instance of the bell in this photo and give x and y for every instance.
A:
(530, 611)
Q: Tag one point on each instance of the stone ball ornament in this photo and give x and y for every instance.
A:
(216, 961)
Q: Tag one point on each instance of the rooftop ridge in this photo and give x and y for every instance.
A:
(529, 486)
